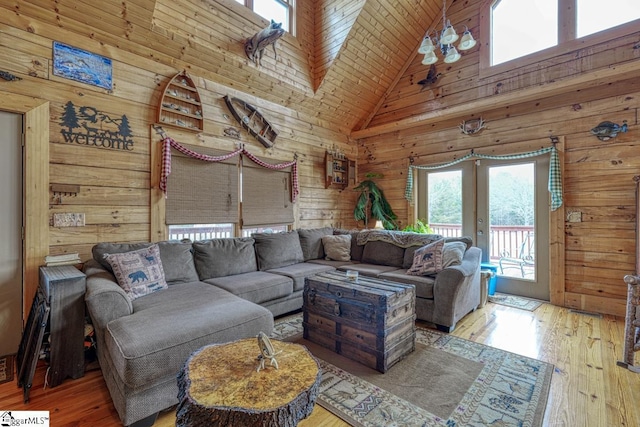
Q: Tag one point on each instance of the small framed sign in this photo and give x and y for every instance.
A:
(82, 66)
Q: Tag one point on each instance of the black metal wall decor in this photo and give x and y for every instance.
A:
(90, 127)
(5, 75)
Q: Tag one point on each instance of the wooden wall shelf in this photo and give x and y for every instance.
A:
(180, 105)
(340, 171)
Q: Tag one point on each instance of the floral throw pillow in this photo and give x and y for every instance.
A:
(139, 272)
(428, 259)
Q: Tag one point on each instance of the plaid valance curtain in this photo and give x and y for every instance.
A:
(166, 163)
(555, 180)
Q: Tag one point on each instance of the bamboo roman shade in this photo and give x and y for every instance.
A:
(266, 196)
(202, 192)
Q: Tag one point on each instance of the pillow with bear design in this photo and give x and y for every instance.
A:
(138, 272)
(428, 259)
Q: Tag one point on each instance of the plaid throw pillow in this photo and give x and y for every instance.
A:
(138, 272)
(428, 259)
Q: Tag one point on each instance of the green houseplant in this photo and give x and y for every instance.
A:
(419, 227)
(372, 204)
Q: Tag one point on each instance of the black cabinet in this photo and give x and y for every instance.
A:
(59, 307)
(63, 288)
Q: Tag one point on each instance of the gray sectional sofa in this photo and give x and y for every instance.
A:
(222, 290)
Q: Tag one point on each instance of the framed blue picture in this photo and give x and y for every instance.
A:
(82, 66)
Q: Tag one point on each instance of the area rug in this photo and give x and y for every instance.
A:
(515, 301)
(447, 381)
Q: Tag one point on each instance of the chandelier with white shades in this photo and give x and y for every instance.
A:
(448, 36)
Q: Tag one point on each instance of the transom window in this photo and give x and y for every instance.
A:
(519, 27)
(280, 11)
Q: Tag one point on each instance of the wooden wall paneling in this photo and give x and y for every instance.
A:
(595, 304)
(98, 176)
(165, 50)
(333, 22)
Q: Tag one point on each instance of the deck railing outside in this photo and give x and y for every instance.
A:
(215, 231)
(506, 240)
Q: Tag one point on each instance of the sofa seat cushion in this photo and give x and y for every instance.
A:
(372, 270)
(257, 286)
(423, 284)
(168, 325)
(299, 271)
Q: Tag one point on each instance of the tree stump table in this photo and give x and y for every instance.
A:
(219, 385)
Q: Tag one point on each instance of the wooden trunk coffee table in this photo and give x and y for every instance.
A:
(371, 321)
(220, 386)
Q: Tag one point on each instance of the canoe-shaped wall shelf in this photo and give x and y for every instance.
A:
(250, 118)
(180, 104)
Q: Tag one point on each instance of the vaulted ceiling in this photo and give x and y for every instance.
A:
(344, 58)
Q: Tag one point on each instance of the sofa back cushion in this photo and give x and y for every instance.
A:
(383, 253)
(100, 250)
(177, 260)
(311, 242)
(274, 250)
(224, 257)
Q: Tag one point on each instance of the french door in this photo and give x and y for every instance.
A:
(512, 223)
(505, 206)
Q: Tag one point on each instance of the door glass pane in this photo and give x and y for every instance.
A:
(592, 16)
(512, 219)
(520, 27)
(445, 202)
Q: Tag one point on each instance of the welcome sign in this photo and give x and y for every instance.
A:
(90, 127)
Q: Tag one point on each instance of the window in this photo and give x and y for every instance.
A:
(513, 37)
(444, 202)
(207, 200)
(444, 199)
(280, 11)
(592, 16)
(519, 28)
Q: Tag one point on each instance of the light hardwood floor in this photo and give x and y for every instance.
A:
(587, 389)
